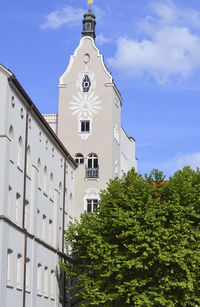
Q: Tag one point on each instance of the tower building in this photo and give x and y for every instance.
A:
(89, 121)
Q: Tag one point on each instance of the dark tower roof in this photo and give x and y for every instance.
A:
(89, 23)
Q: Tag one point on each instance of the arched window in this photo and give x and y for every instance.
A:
(9, 202)
(51, 187)
(38, 223)
(11, 137)
(44, 228)
(27, 215)
(39, 173)
(52, 288)
(45, 180)
(92, 170)
(18, 208)
(9, 267)
(28, 275)
(61, 194)
(46, 281)
(79, 158)
(66, 200)
(19, 271)
(60, 237)
(20, 153)
(39, 279)
(28, 162)
(50, 232)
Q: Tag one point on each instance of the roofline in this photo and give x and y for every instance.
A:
(129, 137)
(12, 79)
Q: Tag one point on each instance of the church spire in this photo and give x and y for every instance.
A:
(89, 23)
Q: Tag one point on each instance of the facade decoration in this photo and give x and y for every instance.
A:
(85, 104)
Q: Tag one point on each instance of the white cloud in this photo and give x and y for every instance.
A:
(101, 39)
(173, 164)
(67, 15)
(192, 160)
(168, 45)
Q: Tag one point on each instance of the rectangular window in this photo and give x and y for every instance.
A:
(85, 126)
(92, 205)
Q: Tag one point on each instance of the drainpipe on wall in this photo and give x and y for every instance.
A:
(23, 215)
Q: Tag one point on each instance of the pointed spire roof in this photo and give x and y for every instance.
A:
(89, 23)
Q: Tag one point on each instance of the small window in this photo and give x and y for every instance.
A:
(92, 205)
(39, 279)
(11, 137)
(51, 187)
(45, 180)
(28, 275)
(79, 159)
(28, 165)
(44, 228)
(86, 84)
(9, 202)
(52, 288)
(46, 282)
(39, 173)
(19, 271)
(85, 126)
(27, 215)
(38, 223)
(50, 232)
(18, 208)
(13, 101)
(9, 267)
(20, 153)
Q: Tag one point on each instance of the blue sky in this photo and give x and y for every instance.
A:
(152, 49)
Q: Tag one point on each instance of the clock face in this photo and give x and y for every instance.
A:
(86, 84)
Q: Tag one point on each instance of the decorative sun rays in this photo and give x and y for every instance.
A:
(85, 105)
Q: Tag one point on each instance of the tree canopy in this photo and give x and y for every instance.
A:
(143, 246)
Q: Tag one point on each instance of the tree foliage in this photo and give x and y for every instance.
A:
(143, 246)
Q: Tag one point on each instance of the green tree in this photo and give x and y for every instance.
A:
(143, 246)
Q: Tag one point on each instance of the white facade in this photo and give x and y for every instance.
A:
(41, 187)
(36, 201)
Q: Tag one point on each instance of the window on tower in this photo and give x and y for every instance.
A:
(85, 126)
(92, 205)
(86, 83)
(79, 158)
(92, 169)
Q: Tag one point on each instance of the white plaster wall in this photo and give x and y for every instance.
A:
(127, 159)
(45, 147)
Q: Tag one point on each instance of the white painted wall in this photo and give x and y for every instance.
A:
(40, 249)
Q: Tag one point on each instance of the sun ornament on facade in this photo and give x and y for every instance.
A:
(85, 104)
